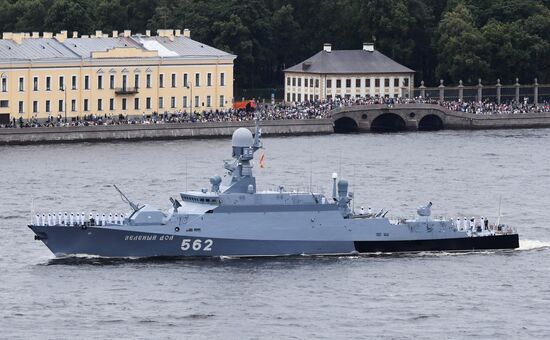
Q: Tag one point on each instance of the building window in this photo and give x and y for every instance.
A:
(299, 82)
(48, 106)
(288, 81)
(86, 82)
(185, 80)
(338, 83)
(35, 84)
(21, 106)
(112, 81)
(73, 82)
(197, 99)
(317, 83)
(161, 80)
(348, 83)
(161, 102)
(100, 82)
(60, 105)
(197, 79)
(148, 103)
(100, 104)
(124, 81)
(174, 83)
(367, 82)
(222, 101)
(406, 82)
(35, 106)
(386, 82)
(124, 100)
(329, 83)
(111, 104)
(48, 83)
(4, 84)
(299, 97)
(209, 79)
(86, 108)
(21, 84)
(208, 101)
(172, 102)
(136, 103)
(306, 82)
(294, 97)
(293, 81)
(377, 82)
(184, 101)
(395, 82)
(62, 83)
(73, 105)
(358, 82)
(136, 81)
(148, 81)
(288, 97)
(222, 79)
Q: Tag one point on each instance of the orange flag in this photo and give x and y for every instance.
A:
(262, 158)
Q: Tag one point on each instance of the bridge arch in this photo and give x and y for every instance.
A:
(345, 125)
(430, 122)
(388, 122)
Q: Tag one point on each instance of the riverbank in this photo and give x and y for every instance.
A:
(43, 135)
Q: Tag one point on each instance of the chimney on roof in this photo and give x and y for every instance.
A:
(115, 34)
(368, 46)
(98, 34)
(61, 36)
(35, 35)
(187, 33)
(18, 38)
(327, 47)
(75, 34)
(177, 33)
(47, 35)
(127, 33)
(148, 33)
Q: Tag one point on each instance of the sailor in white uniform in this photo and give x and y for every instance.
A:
(43, 220)
(65, 218)
(71, 219)
(103, 219)
(37, 219)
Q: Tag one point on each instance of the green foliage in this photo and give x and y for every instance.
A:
(449, 39)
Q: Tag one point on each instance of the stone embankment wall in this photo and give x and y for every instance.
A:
(158, 131)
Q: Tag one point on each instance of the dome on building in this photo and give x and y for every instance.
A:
(242, 137)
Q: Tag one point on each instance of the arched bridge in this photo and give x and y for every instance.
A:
(426, 117)
(394, 118)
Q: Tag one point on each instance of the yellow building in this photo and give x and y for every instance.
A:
(46, 75)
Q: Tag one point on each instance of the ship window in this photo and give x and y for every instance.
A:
(202, 199)
(386, 234)
(378, 234)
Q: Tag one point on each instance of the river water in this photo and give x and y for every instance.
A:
(488, 295)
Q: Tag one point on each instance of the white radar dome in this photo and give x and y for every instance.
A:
(242, 138)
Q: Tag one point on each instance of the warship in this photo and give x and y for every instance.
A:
(232, 218)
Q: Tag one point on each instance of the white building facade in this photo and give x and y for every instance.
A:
(347, 73)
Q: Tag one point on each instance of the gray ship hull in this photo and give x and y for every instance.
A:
(106, 242)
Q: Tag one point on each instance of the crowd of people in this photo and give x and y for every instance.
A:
(281, 111)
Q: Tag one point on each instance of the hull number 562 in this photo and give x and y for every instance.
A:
(196, 245)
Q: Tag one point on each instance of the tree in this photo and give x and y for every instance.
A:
(460, 47)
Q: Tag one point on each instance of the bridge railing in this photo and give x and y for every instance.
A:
(530, 93)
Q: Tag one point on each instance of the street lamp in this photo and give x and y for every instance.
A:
(64, 89)
(190, 87)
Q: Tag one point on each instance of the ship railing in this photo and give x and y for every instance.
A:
(78, 219)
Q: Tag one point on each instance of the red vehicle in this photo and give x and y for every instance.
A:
(248, 105)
